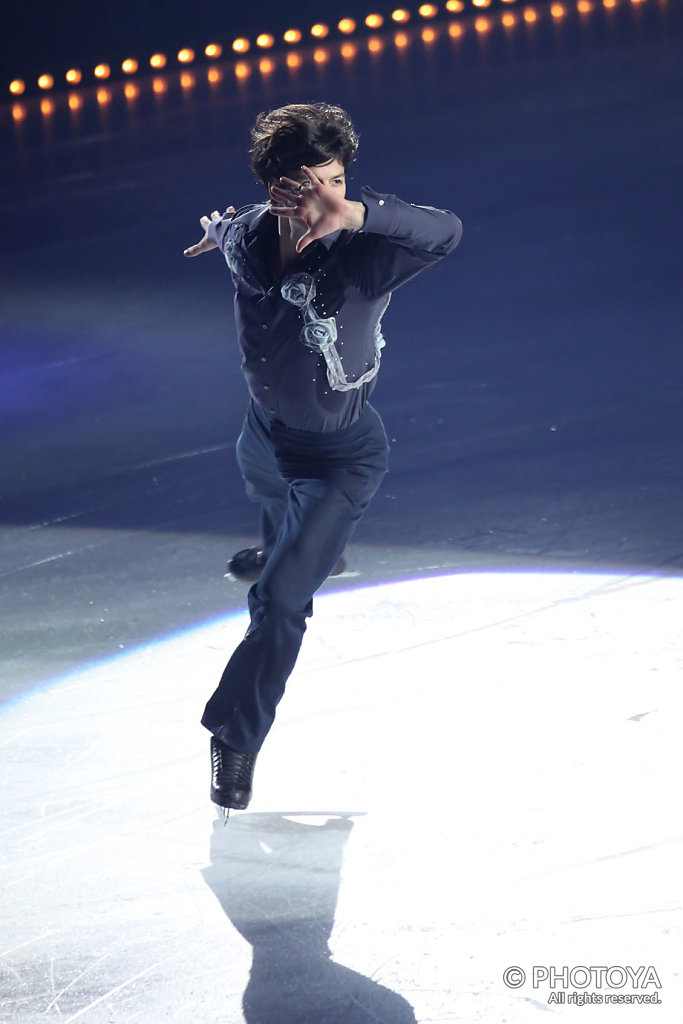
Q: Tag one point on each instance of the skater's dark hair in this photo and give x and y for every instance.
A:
(301, 133)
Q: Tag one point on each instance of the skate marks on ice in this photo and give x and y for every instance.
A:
(514, 737)
(507, 741)
(277, 877)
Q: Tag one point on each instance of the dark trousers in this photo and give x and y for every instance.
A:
(313, 489)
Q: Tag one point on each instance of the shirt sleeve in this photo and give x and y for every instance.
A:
(218, 228)
(403, 240)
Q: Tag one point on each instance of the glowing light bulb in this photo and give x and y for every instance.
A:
(102, 71)
(73, 76)
(455, 6)
(213, 50)
(292, 35)
(374, 21)
(17, 87)
(400, 15)
(158, 60)
(347, 25)
(185, 56)
(46, 82)
(129, 66)
(265, 41)
(240, 45)
(427, 11)
(320, 31)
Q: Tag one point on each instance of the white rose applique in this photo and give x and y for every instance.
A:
(320, 333)
(298, 289)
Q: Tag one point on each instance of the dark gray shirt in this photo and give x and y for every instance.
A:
(311, 338)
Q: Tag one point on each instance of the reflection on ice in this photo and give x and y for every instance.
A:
(467, 772)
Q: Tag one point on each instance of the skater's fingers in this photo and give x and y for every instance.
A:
(206, 245)
(306, 240)
(193, 250)
(284, 197)
(284, 192)
(284, 211)
(313, 178)
(292, 185)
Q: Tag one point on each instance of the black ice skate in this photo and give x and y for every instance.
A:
(231, 777)
(248, 564)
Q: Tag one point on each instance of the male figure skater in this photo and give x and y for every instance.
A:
(313, 273)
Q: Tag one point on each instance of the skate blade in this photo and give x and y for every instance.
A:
(348, 574)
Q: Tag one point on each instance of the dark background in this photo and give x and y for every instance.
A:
(35, 37)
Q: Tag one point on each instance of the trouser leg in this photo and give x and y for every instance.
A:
(262, 480)
(322, 513)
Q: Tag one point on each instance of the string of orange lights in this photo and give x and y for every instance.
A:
(346, 27)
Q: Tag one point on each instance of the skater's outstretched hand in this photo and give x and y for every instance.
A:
(317, 204)
(206, 245)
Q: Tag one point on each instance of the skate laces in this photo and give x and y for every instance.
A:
(230, 767)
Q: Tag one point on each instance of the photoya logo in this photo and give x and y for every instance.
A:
(570, 984)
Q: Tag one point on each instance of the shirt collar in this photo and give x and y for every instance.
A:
(329, 240)
(255, 225)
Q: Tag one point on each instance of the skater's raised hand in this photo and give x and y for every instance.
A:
(206, 245)
(320, 206)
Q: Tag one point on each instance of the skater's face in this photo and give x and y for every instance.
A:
(332, 173)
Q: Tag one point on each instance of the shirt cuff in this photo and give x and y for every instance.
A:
(217, 228)
(380, 217)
